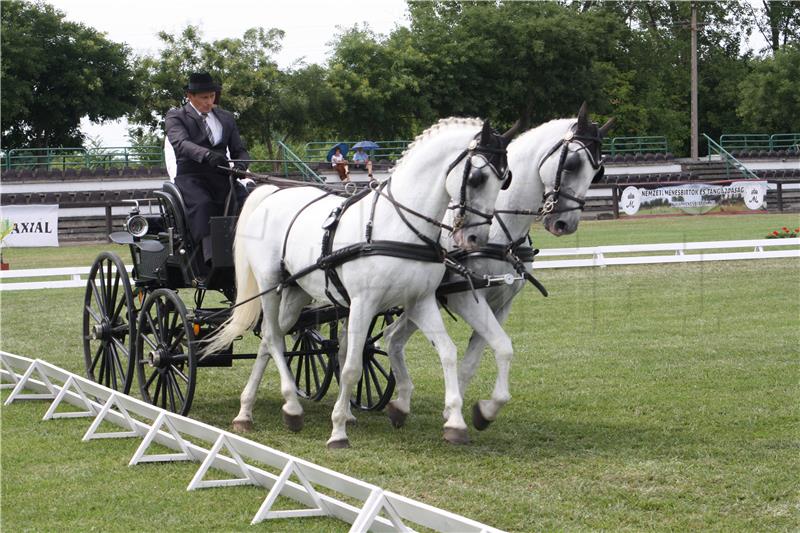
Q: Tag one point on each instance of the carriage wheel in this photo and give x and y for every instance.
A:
(166, 355)
(311, 359)
(109, 323)
(375, 388)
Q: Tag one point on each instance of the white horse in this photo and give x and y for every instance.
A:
(553, 166)
(281, 231)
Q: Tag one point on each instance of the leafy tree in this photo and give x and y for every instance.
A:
(778, 21)
(54, 73)
(769, 101)
(377, 85)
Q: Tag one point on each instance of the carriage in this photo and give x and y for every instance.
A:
(139, 325)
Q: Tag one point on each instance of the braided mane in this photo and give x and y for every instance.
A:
(442, 124)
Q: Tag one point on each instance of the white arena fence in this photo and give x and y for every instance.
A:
(678, 252)
(294, 478)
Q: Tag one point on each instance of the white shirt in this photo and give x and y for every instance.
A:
(213, 123)
(337, 158)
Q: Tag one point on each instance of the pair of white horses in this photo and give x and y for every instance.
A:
(281, 230)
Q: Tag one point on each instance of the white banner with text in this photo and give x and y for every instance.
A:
(694, 198)
(32, 225)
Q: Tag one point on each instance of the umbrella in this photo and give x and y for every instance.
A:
(341, 146)
(366, 145)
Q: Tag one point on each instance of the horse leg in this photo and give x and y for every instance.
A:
(244, 420)
(341, 356)
(274, 337)
(487, 329)
(397, 335)
(357, 325)
(425, 314)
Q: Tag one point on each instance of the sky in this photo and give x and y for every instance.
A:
(309, 27)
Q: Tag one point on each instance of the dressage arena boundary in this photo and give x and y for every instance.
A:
(682, 252)
(168, 429)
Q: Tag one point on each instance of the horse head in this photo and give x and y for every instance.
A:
(567, 169)
(483, 173)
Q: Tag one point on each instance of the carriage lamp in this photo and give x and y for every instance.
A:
(137, 225)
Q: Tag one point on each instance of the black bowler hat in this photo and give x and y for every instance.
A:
(202, 82)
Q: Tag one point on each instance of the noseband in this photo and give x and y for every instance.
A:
(586, 142)
(496, 158)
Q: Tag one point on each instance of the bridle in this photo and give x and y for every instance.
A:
(478, 156)
(591, 145)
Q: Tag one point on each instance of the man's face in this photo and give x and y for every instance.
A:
(203, 102)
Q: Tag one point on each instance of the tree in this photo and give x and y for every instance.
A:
(769, 101)
(56, 72)
(778, 21)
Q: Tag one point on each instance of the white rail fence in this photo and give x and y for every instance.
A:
(313, 486)
(681, 252)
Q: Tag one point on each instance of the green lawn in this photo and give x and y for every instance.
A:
(659, 397)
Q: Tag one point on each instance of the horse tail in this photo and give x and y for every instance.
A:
(248, 306)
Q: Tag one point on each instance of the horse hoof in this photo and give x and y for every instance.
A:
(293, 422)
(396, 416)
(456, 436)
(338, 444)
(478, 420)
(242, 426)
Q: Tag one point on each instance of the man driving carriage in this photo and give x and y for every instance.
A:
(201, 133)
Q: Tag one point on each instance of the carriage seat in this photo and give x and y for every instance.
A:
(180, 211)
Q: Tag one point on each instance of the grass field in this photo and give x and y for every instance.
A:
(644, 398)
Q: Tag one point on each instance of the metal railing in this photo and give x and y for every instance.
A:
(715, 149)
(291, 159)
(636, 145)
(317, 151)
(760, 141)
(73, 158)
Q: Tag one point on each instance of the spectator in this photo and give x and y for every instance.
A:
(361, 160)
(340, 164)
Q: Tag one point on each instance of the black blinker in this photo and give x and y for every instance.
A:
(573, 162)
(507, 183)
(599, 174)
(476, 177)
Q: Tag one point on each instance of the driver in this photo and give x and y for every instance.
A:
(201, 133)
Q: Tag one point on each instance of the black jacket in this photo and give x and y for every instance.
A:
(187, 135)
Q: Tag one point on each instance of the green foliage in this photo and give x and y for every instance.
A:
(769, 100)
(54, 73)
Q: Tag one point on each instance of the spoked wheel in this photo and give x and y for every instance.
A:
(109, 324)
(311, 359)
(376, 386)
(166, 358)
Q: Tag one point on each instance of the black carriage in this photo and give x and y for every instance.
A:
(139, 324)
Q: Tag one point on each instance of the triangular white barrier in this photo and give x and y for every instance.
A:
(161, 420)
(264, 512)
(376, 503)
(7, 372)
(112, 400)
(222, 441)
(71, 382)
(16, 394)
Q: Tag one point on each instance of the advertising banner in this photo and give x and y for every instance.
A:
(32, 225)
(694, 198)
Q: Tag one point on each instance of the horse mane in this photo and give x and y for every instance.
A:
(443, 123)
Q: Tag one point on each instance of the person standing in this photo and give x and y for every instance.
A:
(201, 133)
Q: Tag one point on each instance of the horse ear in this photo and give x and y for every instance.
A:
(513, 130)
(583, 117)
(604, 129)
(486, 132)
